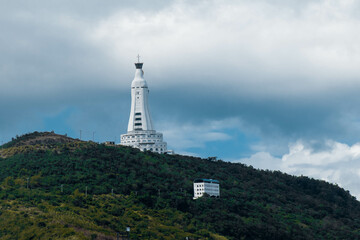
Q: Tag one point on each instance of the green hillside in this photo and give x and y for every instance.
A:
(55, 187)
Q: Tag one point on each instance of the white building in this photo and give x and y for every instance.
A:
(140, 133)
(209, 186)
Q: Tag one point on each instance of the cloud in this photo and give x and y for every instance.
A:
(263, 160)
(187, 135)
(335, 152)
(330, 161)
(275, 48)
(285, 70)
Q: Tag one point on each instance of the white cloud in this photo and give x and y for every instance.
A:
(333, 162)
(263, 160)
(335, 152)
(189, 135)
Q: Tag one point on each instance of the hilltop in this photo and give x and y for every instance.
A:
(39, 138)
(71, 189)
(38, 141)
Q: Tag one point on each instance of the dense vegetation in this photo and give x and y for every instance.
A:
(82, 190)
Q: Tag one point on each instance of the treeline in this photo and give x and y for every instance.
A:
(158, 190)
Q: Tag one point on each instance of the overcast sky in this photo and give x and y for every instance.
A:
(273, 84)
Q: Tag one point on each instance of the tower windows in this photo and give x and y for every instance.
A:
(137, 119)
(138, 114)
(138, 124)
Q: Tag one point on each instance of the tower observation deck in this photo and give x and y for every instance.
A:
(140, 133)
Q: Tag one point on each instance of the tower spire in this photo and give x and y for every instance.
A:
(138, 65)
(138, 57)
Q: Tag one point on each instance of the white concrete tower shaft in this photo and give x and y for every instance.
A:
(140, 118)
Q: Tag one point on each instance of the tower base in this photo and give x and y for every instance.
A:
(145, 140)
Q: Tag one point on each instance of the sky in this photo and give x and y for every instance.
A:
(273, 84)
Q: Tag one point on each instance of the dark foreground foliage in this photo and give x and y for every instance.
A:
(92, 191)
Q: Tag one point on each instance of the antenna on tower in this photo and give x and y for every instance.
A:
(138, 57)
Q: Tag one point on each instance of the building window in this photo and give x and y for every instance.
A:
(137, 113)
(137, 119)
(138, 124)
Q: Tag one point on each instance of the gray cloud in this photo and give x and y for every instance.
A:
(284, 69)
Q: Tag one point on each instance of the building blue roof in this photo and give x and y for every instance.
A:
(199, 180)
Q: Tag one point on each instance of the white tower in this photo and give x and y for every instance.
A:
(140, 129)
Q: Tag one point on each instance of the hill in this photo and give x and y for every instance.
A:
(36, 141)
(71, 189)
(39, 138)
